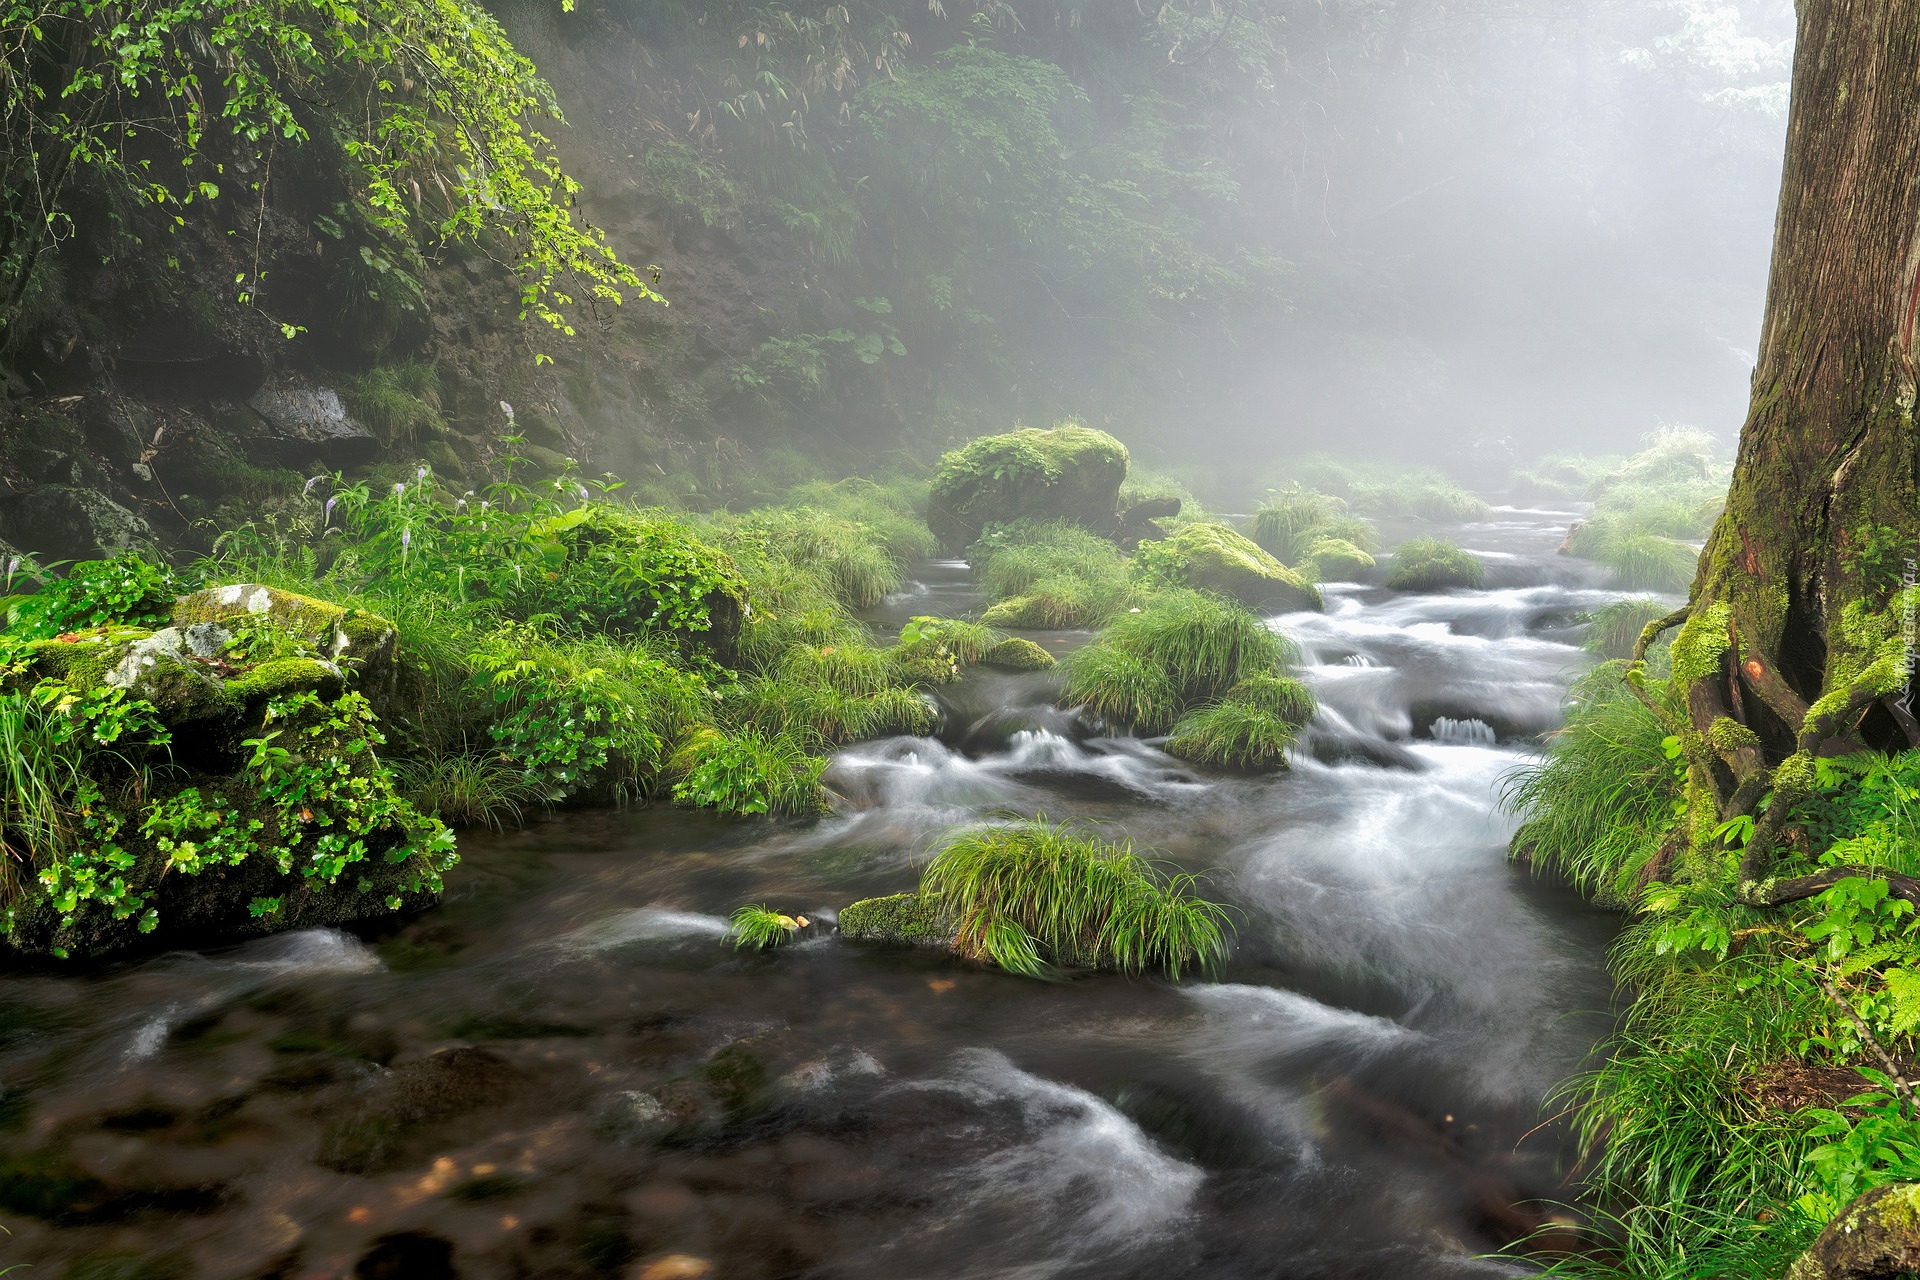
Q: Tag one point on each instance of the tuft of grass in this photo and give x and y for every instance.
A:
(1033, 895)
(40, 772)
(1121, 687)
(1283, 696)
(466, 790)
(399, 402)
(1230, 734)
(1615, 628)
(1183, 647)
(1433, 564)
(1290, 518)
(1051, 575)
(1598, 804)
(762, 927)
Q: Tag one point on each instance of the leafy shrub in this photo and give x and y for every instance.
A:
(1033, 895)
(127, 590)
(749, 772)
(1432, 564)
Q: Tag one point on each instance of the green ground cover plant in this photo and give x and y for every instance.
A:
(1757, 1082)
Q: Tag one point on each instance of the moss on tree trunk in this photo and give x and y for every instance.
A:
(1791, 644)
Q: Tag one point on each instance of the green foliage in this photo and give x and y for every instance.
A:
(1324, 486)
(1289, 518)
(1182, 648)
(809, 364)
(749, 772)
(762, 927)
(427, 103)
(1032, 895)
(696, 185)
(127, 590)
(1433, 564)
(1231, 734)
(1598, 805)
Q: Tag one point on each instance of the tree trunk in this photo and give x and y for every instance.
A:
(1792, 642)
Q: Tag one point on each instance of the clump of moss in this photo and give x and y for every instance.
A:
(1016, 653)
(1212, 557)
(1334, 560)
(911, 918)
(1433, 564)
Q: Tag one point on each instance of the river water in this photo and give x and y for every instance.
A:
(562, 1071)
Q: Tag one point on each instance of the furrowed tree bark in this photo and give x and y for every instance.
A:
(1790, 646)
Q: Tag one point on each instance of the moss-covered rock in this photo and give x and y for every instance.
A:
(160, 668)
(905, 918)
(1212, 557)
(1334, 560)
(80, 662)
(1067, 473)
(283, 677)
(361, 644)
(1017, 653)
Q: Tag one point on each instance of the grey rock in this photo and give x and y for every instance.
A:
(118, 429)
(302, 423)
(64, 522)
(157, 668)
(207, 639)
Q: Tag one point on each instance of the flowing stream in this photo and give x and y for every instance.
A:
(561, 1071)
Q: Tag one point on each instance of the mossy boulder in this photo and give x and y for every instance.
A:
(161, 668)
(910, 919)
(1018, 654)
(1066, 473)
(1212, 557)
(1334, 560)
(1433, 564)
(362, 645)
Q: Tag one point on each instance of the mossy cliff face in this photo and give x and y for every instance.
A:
(1067, 473)
(1212, 557)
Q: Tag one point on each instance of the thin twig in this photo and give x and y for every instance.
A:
(1900, 1085)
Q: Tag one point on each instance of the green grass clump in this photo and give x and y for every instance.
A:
(399, 402)
(1291, 517)
(1231, 734)
(466, 790)
(762, 927)
(1032, 895)
(41, 774)
(1051, 576)
(1639, 557)
(1433, 564)
(1182, 648)
(1615, 628)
